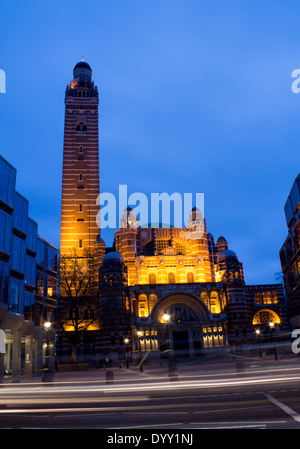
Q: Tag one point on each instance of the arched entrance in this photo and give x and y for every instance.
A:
(179, 318)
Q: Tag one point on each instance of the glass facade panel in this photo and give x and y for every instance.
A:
(40, 257)
(18, 254)
(51, 287)
(7, 184)
(16, 296)
(5, 232)
(20, 215)
(51, 258)
(29, 300)
(31, 240)
(30, 270)
(288, 211)
(4, 277)
(39, 283)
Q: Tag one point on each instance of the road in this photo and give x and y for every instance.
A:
(250, 397)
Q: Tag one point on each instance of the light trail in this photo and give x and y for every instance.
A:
(50, 389)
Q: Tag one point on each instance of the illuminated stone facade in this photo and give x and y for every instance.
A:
(80, 184)
(152, 273)
(198, 284)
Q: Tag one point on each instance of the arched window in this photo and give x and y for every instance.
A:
(143, 306)
(81, 129)
(190, 278)
(214, 303)
(274, 297)
(171, 278)
(152, 278)
(152, 301)
(257, 298)
(205, 299)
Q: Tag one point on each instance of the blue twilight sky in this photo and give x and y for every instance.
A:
(195, 96)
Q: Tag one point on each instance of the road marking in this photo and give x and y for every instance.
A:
(284, 407)
(230, 409)
(149, 425)
(242, 422)
(229, 427)
(155, 413)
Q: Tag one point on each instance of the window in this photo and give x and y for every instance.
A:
(190, 278)
(152, 278)
(81, 129)
(80, 243)
(5, 232)
(30, 270)
(7, 184)
(80, 208)
(80, 177)
(20, 215)
(18, 254)
(171, 278)
(80, 149)
(4, 279)
(16, 295)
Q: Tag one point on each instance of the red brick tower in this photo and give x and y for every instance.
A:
(80, 186)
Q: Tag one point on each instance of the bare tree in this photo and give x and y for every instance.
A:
(78, 307)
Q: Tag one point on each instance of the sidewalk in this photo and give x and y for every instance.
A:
(187, 370)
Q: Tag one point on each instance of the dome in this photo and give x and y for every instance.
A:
(82, 65)
(221, 239)
(99, 240)
(113, 256)
(227, 254)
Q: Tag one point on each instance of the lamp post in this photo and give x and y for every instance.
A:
(139, 334)
(166, 317)
(126, 343)
(47, 374)
(272, 329)
(47, 326)
(257, 331)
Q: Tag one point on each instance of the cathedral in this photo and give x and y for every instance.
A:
(164, 292)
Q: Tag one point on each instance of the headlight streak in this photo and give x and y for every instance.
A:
(125, 388)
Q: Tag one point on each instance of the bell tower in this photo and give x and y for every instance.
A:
(80, 183)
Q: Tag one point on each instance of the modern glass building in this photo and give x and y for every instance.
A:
(290, 253)
(28, 283)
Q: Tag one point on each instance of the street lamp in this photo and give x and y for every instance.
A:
(47, 326)
(272, 329)
(257, 331)
(126, 343)
(139, 334)
(166, 318)
(46, 374)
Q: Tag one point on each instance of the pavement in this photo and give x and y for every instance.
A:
(184, 370)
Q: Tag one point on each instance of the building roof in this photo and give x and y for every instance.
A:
(82, 65)
(113, 256)
(227, 253)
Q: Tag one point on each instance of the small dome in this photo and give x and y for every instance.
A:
(99, 240)
(221, 239)
(113, 256)
(227, 254)
(82, 65)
